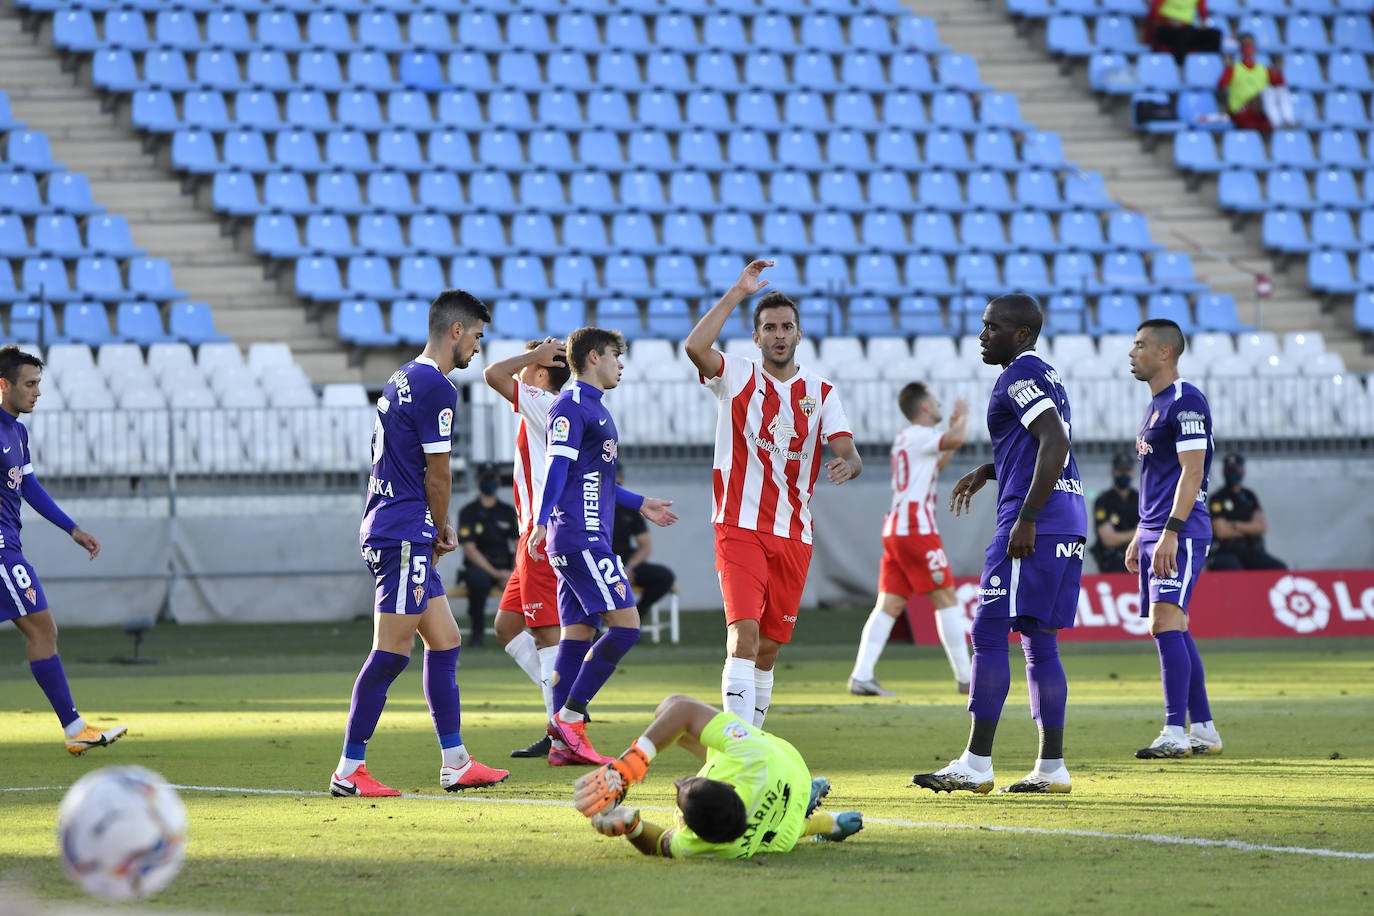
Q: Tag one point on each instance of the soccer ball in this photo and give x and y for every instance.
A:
(122, 832)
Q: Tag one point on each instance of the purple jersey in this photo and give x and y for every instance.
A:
(1026, 389)
(1178, 420)
(414, 419)
(15, 461)
(580, 428)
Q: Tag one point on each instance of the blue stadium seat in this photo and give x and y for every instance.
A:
(895, 148)
(697, 149)
(756, 108)
(620, 68)
(840, 189)
(225, 28)
(939, 189)
(515, 319)
(1202, 71)
(977, 273)
(99, 278)
(741, 189)
(151, 278)
(359, 110)
(246, 150)
(74, 32)
(482, 233)
(591, 190)
(276, 235)
(650, 149)
(675, 30)
(380, 30)
(269, 69)
(218, 70)
(732, 230)
(958, 71)
(1288, 187)
(152, 110)
(877, 275)
(14, 238)
(1329, 272)
(600, 149)
(821, 32)
(570, 70)
(1038, 189)
(1363, 313)
(337, 191)
(982, 230)
(1337, 188)
(1334, 229)
(675, 275)
(420, 275)
(620, 313)
(1244, 149)
(906, 110)
(360, 323)
(1065, 314)
(1127, 229)
(492, 190)
(297, 150)
(19, 190)
(1305, 33)
(576, 274)
(550, 149)
(1217, 312)
(57, 236)
(633, 233)
(826, 273)
(995, 149)
(1087, 190)
(193, 323)
(953, 110)
(707, 108)
(235, 194)
(667, 317)
(1081, 230)
(1173, 307)
(1116, 314)
(1196, 151)
(792, 188)
(519, 71)
(431, 234)
(1285, 231)
(563, 316)
(46, 279)
(1159, 73)
(370, 70)
(474, 273)
(810, 70)
(919, 33)
(113, 70)
(643, 190)
(287, 192)
(329, 235)
(667, 70)
(835, 232)
(1074, 271)
(409, 320)
(533, 233)
(1239, 191)
(609, 109)
(1302, 71)
(922, 316)
(206, 110)
(279, 29)
(891, 189)
(166, 69)
(140, 323)
(1032, 230)
(685, 233)
(1027, 272)
(821, 315)
(193, 151)
(318, 279)
(989, 190)
(256, 110)
(933, 230)
(30, 151)
(31, 322)
(1067, 36)
(946, 149)
(88, 323)
(750, 149)
(1124, 272)
(805, 108)
(1173, 271)
(1110, 73)
(542, 190)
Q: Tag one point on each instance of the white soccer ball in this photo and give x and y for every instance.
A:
(122, 832)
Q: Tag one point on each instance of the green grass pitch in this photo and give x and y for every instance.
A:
(249, 720)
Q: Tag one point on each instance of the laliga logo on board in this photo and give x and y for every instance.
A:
(1299, 604)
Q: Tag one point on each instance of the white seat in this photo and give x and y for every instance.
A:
(343, 394)
(1257, 346)
(241, 396)
(291, 397)
(1210, 345)
(888, 349)
(113, 356)
(90, 397)
(264, 354)
(50, 398)
(855, 370)
(1231, 367)
(225, 378)
(164, 356)
(191, 398)
(927, 351)
(1325, 363)
(173, 378)
(839, 350)
(1116, 346)
(1275, 365)
(130, 376)
(807, 351)
(66, 356)
(212, 356)
(495, 351)
(283, 376)
(740, 346)
(1069, 348)
(72, 378)
(145, 398)
(1302, 345)
(647, 350)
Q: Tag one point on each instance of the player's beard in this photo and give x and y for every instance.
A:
(459, 360)
(783, 363)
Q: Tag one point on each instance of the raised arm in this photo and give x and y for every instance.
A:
(700, 344)
(500, 375)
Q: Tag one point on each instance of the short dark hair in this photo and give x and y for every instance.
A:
(1171, 335)
(775, 300)
(11, 358)
(1246, 36)
(1023, 309)
(714, 811)
(910, 398)
(585, 341)
(559, 372)
(455, 305)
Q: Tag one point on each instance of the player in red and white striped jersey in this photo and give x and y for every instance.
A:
(914, 560)
(774, 418)
(527, 620)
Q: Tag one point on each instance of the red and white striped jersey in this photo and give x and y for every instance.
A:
(531, 445)
(915, 465)
(768, 446)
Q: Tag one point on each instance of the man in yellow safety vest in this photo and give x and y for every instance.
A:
(1254, 94)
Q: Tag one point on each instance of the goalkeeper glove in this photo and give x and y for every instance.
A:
(618, 821)
(606, 785)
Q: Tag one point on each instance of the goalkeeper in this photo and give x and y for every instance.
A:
(754, 793)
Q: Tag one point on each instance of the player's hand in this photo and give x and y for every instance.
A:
(962, 496)
(1021, 540)
(606, 786)
(656, 510)
(446, 542)
(1164, 563)
(86, 540)
(617, 821)
(749, 281)
(533, 547)
(1133, 556)
(960, 410)
(838, 470)
(551, 352)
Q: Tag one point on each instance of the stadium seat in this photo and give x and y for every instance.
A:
(1173, 270)
(1116, 314)
(420, 275)
(1329, 272)
(1172, 306)
(922, 316)
(1284, 231)
(515, 319)
(140, 323)
(409, 320)
(563, 316)
(360, 322)
(1334, 229)
(1217, 312)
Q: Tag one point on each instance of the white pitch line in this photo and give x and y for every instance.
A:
(1162, 839)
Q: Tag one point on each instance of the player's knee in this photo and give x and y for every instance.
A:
(670, 701)
(990, 636)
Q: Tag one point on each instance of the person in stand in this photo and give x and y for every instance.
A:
(1238, 523)
(1179, 27)
(487, 531)
(1116, 512)
(1254, 94)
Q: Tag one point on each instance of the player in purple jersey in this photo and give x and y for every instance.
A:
(1170, 546)
(405, 530)
(22, 599)
(1034, 564)
(576, 514)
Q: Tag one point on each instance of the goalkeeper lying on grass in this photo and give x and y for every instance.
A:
(754, 793)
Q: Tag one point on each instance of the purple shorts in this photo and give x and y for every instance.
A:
(21, 593)
(1043, 586)
(1192, 556)
(590, 583)
(405, 576)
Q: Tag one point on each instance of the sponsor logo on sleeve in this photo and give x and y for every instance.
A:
(1025, 392)
(559, 431)
(736, 731)
(446, 421)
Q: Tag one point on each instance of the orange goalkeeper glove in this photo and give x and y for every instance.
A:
(606, 785)
(618, 821)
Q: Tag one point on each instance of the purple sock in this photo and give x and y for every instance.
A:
(53, 681)
(369, 696)
(441, 692)
(1199, 710)
(566, 667)
(600, 665)
(1175, 671)
(991, 677)
(1049, 688)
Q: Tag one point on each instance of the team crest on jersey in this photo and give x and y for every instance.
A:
(1154, 418)
(736, 730)
(419, 591)
(620, 590)
(558, 432)
(610, 449)
(446, 422)
(807, 406)
(1143, 448)
(937, 576)
(781, 429)
(31, 594)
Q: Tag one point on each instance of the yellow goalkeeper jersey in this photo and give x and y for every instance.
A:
(770, 777)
